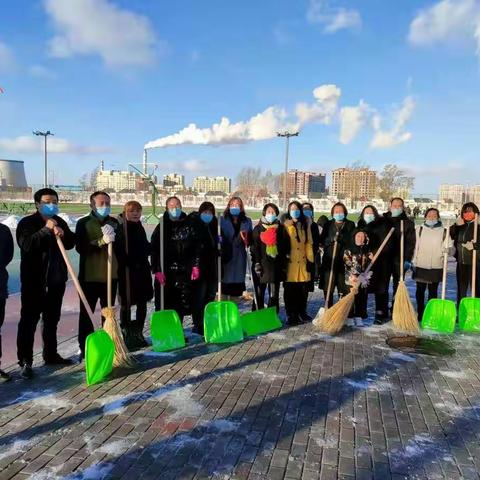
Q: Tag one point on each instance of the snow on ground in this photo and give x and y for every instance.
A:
(454, 375)
(401, 356)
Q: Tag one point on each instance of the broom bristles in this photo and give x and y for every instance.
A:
(404, 316)
(334, 318)
(122, 357)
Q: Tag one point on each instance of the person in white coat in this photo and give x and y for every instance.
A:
(432, 240)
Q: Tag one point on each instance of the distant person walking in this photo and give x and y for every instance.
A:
(43, 275)
(6, 256)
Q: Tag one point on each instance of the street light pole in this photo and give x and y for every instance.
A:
(287, 136)
(45, 171)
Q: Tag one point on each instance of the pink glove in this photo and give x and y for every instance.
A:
(160, 277)
(195, 274)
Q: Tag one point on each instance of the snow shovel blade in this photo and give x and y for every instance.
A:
(222, 323)
(166, 331)
(440, 316)
(260, 321)
(99, 351)
(469, 315)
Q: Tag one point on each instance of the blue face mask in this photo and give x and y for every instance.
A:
(235, 211)
(308, 213)
(339, 217)
(103, 212)
(369, 218)
(295, 213)
(396, 212)
(174, 213)
(270, 218)
(206, 217)
(431, 223)
(48, 209)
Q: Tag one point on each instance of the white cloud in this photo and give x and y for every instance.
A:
(397, 134)
(260, 127)
(40, 71)
(325, 107)
(446, 21)
(99, 27)
(333, 19)
(34, 144)
(7, 59)
(353, 120)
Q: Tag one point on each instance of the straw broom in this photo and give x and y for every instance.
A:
(404, 316)
(317, 321)
(334, 318)
(122, 357)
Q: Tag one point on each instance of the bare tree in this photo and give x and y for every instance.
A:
(393, 181)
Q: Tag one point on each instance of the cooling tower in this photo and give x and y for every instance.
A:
(12, 174)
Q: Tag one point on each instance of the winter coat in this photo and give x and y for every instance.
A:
(327, 240)
(93, 250)
(300, 251)
(461, 234)
(234, 268)
(313, 268)
(430, 245)
(41, 261)
(381, 270)
(182, 246)
(6, 255)
(209, 259)
(136, 260)
(356, 259)
(273, 268)
(409, 236)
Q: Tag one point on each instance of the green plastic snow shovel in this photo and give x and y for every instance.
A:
(469, 309)
(222, 323)
(260, 321)
(99, 352)
(99, 347)
(166, 331)
(440, 314)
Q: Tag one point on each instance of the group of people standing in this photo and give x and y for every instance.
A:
(184, 253)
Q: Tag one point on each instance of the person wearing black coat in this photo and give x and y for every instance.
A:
(377, 227)
(182, 249)
(137, 288)
(394, 217)
(309, 214)
(268, 251)
(43, 276)
(6, 255)
(462, 236)
(341, 229)
(205, 288)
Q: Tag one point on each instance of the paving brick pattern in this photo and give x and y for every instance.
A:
(292, 404)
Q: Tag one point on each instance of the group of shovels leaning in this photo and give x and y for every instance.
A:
(105, 348)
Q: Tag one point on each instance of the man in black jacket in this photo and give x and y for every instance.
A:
(394, 216)
(6, 255)
(43, 275)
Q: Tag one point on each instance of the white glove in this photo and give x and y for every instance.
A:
(468, 246)
(108, 238)
(107, 229)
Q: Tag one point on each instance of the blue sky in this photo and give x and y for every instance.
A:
(108, 76)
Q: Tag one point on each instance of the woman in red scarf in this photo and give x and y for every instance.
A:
(268, 256)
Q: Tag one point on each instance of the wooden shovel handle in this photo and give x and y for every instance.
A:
(474, 257)
(162, 263)
(74, 277)
(109, 274)
(219, 260)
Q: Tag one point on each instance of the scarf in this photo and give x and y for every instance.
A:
(269, 238)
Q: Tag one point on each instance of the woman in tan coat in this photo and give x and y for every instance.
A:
(300, 255)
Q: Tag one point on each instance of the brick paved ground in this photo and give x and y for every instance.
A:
(292, 404)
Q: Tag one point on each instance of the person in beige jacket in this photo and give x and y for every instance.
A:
(299, 241)
(431, 241)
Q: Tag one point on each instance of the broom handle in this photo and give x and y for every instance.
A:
(445, 263)
(162, 264)
(74, 277)
(127, 269)
(330, 277)
(109, 274)
(474, 257)
(402, 246)
(219, 261)
(379, 251)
